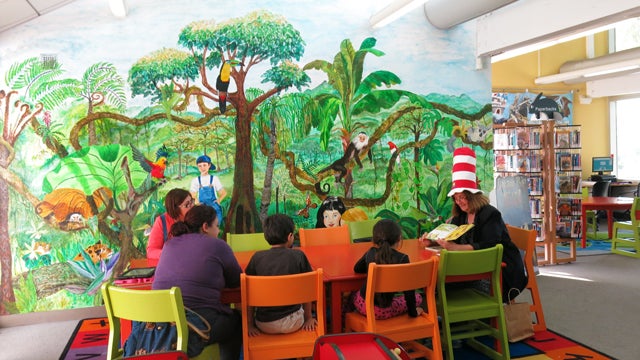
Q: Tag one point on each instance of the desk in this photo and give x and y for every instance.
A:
(609, 204)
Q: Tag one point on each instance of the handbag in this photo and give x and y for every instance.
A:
(149, 337)
(518, 319)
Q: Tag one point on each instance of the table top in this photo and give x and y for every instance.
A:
(607, 200)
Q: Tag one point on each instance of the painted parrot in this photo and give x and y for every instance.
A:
(156, 169)
(222, 84)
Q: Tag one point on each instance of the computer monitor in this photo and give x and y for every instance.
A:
(602, 164)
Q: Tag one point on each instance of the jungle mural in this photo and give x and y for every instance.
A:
(83, 174)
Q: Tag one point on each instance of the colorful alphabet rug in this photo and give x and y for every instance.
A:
(91, 337)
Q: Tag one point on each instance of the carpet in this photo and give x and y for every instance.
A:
(90, 338)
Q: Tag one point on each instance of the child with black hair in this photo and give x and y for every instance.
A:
(281, 259)
(387, 236)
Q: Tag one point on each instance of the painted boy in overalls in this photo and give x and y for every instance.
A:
(207, 189)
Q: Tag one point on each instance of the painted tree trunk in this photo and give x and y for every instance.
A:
(242, 215)
(6, 288)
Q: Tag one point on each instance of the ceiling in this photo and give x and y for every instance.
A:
(16, 12)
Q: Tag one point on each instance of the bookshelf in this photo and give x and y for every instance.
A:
(549, 156)
(518, 151)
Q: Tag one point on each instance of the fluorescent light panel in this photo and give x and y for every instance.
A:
(393, 12)
(545, 44)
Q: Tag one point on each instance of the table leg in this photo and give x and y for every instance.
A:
(610, 222)
(583, 243)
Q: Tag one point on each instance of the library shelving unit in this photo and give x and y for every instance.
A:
(518, 152)
(562, 168)
(549, 156)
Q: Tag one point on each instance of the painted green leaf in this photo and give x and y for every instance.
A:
(94, 167)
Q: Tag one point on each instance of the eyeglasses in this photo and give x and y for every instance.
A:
(460, 198)
(188, 204)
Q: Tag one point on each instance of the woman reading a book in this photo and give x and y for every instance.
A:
(471, 206)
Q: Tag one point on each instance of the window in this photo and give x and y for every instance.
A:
(626, 145)
(625, 122)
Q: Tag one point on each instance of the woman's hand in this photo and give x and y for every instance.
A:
(426, 242)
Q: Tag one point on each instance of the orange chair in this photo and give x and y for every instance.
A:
(325, 236)
(525, 240)
(402, 329)
(258, 291)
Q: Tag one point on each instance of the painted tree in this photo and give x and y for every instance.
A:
(101, 84)
(34, 88)
(280, 121)
(349, 93)
(243, 43)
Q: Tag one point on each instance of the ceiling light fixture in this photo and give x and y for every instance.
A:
(614, 64)
(393, 12)
(118, 8)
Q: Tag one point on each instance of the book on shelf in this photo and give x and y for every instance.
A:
(563, 139)
(564, 161)
(448, 231)
(501, 141)
(566, 185)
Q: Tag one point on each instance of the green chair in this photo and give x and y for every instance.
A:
(628, 242)
(149, 306)
(247, 242)
(600, 188)
(592, 219)
(466, 311)
(361, 231)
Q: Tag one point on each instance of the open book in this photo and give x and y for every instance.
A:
(448, 231)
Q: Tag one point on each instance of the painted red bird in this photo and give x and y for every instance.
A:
(393, 148)
(156, 169)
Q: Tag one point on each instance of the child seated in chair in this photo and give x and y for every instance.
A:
(281, 259)
(386, 239)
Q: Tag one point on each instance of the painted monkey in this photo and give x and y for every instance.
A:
(351, 153)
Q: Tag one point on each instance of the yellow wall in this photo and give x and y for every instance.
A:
(518, 75)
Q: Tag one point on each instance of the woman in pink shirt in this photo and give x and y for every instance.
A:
(177, 202)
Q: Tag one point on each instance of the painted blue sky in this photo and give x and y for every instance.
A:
(427, 60)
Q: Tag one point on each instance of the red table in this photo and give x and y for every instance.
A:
(609, 204)
(337, 262)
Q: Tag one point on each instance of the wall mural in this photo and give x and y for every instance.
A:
(83, 172)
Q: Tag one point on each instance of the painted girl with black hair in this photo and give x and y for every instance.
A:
(330, 213)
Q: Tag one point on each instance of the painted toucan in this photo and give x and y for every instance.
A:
(156, 169)
(222, 84)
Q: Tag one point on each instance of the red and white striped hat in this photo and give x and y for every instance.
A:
(463, 175)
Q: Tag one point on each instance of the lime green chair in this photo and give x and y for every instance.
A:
(149, 306)
(361, 231)
(628, 242)
(247, 242)
(592, 219)
(465, 311)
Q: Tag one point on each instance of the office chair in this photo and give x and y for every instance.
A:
(325, 236)
(465, 311)
(148, 306)
(258, 291)
(628, 243)
(361, 231)
(402, 329)
(525, 240)
(247, 242)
